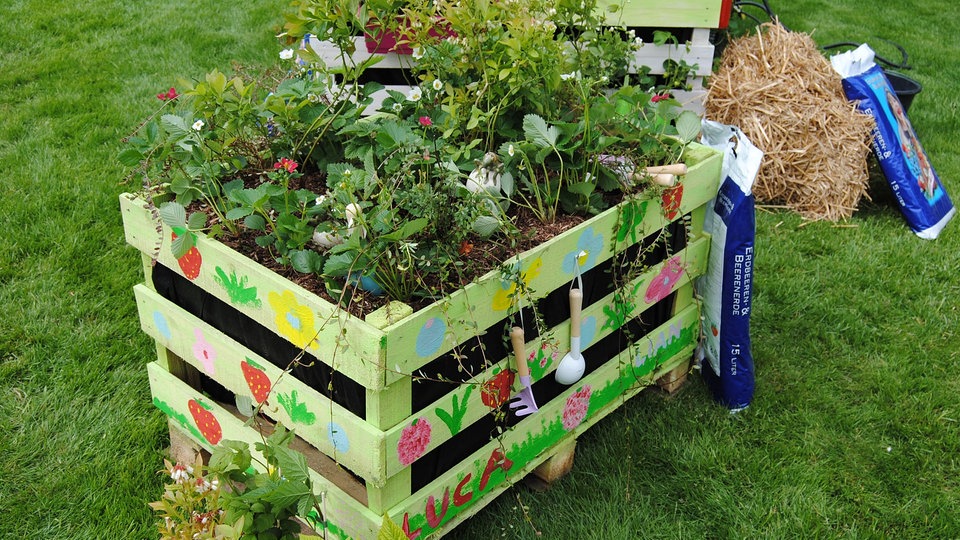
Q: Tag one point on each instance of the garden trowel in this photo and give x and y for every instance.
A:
(523, 403)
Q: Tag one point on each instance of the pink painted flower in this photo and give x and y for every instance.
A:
(425, 121)
(413, 441)
(575, 410)
(662, 284)
(286, 164)
(168, 95)
(204, 352)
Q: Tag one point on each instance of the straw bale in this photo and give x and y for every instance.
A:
(781, 91)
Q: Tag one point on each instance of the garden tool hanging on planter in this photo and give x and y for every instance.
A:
(572, 364)
(523, 403)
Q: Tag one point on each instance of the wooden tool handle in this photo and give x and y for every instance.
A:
(576, 305)
(664, 179)
(678, 169)
(519, 351)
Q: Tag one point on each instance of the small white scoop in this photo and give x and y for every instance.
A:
(572, 364)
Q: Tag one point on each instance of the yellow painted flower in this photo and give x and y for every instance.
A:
(505, 297)
(294, 322)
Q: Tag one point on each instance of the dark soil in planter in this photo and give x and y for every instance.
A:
(481, 256)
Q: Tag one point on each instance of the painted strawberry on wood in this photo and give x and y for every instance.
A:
(184, 241)
(190, 261)
(672, 198)
(256, 379)
(206, 422)
(496, 391)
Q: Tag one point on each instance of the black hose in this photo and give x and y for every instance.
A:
(902, 64)
(764, 5)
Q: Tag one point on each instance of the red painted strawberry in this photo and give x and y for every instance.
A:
(190, 262)
(206, 421)
(256, 379)
(671, 201)
(714, 330)
(496, 391)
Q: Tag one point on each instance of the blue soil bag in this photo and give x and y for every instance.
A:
(726, 287)
(920, 195)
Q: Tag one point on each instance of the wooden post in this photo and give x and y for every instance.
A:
(385, 409)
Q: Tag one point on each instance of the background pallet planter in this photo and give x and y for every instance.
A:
(689, 21)
(380, 438)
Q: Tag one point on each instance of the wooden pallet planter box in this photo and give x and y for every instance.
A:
(369, 459)
(697, 17)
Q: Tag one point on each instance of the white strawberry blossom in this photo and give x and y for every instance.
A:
(286, 54)
(198, 125)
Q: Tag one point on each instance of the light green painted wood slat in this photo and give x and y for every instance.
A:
(332, 429)
(280, 305)
(672, 14)
(173, 397)
(476, 480)
(464, 405)
(436, 329)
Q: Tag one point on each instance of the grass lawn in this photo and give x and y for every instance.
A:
(854, 432)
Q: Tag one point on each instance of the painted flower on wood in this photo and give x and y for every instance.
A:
(575, 410)
(204, 352)
(662, 284)
(505, 297)
(584, 257)
(294, 321)
(413, 441)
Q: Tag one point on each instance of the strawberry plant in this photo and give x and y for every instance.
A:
(265, 497)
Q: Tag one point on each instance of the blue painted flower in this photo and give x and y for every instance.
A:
(430, 338)
(588, 330)
(162, 326)
(338, 438)
(589, 246)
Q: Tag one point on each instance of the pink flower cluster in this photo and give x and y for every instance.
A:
(413, 441)
(168, 95)
(575, 410)
(286, 164)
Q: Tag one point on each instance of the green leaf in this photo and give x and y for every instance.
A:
(253, 221)
(338, 265)
(197, 221)
(293, 464)
(507, 184)
(536, 130)
(240, 212)
(181, 245)
(288, 494)
(230, 456)
(486, 225)
(390, 530)
(130, 157)
(582, 188)
(173, 214)
(306, 261)
(688, 126)
(175, 125)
